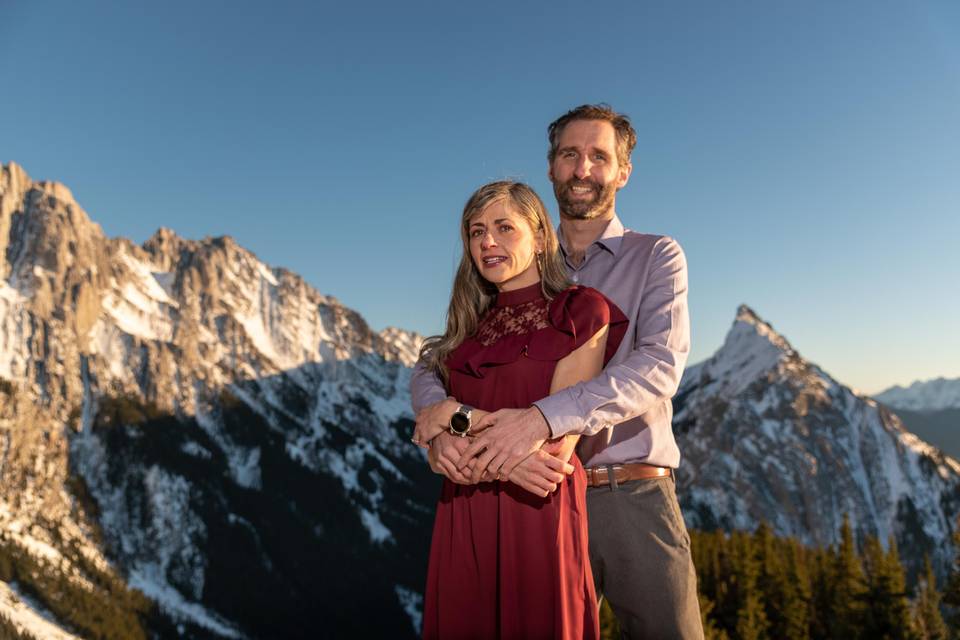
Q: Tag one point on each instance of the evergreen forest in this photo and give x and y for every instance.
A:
(753, 586)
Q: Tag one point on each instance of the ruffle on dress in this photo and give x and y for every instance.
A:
(574, 316)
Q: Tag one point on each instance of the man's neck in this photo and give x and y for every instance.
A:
(580, 234)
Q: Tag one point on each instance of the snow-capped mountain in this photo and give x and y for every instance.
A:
(766, 435)
(930, 395)
(214, 431)
(180, 418)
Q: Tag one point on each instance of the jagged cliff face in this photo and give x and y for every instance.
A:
(186, 385)
(767, 435)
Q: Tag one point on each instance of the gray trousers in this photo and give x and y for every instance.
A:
(640, 553)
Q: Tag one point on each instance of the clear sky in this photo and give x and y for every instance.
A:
(806, 155)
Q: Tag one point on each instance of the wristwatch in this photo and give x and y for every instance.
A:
(460, 421)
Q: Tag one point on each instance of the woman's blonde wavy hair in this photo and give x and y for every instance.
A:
(472, 294)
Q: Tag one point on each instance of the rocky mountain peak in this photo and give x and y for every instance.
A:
(752, 348)
(767, 435)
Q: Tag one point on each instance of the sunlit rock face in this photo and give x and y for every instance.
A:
(767, 435)
(227, 439)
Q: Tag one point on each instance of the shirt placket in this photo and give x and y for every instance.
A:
(577, 273)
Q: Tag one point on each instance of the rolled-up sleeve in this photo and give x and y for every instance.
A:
(425, 387)
(651, 372)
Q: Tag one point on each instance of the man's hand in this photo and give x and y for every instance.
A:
(433, 420)
(506, 438)
(540, 473)
(444, 454)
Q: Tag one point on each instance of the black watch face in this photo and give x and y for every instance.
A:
(459, 423)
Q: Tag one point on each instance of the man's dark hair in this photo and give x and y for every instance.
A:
(626, 136)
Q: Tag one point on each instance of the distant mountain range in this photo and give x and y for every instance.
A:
(930, 409)
(220, 436)
(932, 395)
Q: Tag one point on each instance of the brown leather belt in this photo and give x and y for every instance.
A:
(600, 476)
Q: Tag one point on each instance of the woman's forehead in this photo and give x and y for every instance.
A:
(497, 209)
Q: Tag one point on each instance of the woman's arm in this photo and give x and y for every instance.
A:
(539, 473)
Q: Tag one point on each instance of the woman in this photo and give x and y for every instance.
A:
(506, 562)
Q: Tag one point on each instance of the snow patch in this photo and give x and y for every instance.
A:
(154, 586)
(412, 603)
(28, 617)
(379, 534)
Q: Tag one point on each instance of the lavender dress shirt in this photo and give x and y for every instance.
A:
(624, 413)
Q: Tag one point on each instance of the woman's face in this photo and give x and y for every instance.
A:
(504, 247)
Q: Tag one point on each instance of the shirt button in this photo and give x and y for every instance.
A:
(575, 277)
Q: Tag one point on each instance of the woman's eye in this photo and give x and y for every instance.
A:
(476, 233)
(506, 227)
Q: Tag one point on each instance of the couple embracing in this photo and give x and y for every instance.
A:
(546, 407)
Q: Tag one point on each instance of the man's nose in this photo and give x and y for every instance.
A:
(582, 170)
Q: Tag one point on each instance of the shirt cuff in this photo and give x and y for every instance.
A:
(561, 412)
(429, 397)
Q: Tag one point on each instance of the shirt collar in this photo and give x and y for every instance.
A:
(610, 239)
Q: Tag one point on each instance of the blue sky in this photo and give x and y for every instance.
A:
(806, 155)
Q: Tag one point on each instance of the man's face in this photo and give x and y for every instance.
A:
(585, 172)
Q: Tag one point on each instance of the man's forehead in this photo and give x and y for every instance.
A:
(595, 133)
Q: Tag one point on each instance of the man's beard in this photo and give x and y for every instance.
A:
(601, 203)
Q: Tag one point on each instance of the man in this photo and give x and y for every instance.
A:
(639, 546)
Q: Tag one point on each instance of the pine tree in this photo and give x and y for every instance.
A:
(752, 620)
(927, 621)
(887, 611)
(710, 629)
(772, 581)
(797, 595)
(951, 593)
(843, 617)
(609, 625)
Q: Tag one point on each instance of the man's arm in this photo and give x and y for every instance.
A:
(425, 387)
(652, 371)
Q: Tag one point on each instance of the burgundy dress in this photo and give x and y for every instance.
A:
(505, 563)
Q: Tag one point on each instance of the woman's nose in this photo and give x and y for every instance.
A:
(487, 241)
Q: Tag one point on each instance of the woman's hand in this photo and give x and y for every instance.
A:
(444, 453)
(433, 420)
(562, 448)
(540, 473)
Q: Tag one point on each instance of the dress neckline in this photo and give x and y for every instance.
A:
(519, 296)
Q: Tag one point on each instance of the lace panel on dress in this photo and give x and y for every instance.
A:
(504, 321)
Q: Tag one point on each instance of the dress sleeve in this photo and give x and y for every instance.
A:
(576, 315)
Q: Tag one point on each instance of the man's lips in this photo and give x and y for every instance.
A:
(581, 189)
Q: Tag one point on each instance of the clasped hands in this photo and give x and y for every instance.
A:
(510, 444)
